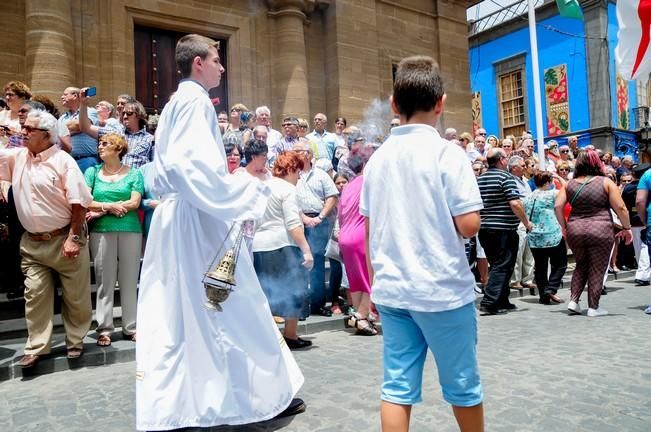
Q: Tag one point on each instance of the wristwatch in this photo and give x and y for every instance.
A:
(75, 238)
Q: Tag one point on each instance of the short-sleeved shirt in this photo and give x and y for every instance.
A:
(645, 184)
(497, 189)
(323, 144)
(539, 207)
(45, 187)
(414, 186)
(83, 145)
(140, 145)
(281, 216)
(313, 189)
(112, 192)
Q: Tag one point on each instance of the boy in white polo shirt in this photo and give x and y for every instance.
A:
(420, 199)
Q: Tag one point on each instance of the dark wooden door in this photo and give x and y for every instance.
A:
(156, 74)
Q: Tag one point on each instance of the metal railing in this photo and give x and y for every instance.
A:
(514, 10)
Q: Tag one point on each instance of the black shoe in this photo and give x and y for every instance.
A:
(510, 307)
(639, 282)
(297, 343)
(491, 311)
(603, 291)
(324, 311)
(545, 301)
(296, 406)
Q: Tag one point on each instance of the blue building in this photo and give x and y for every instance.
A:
(581, 90)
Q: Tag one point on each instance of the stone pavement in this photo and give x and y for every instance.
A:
(542, 370)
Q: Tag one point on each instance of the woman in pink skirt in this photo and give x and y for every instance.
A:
(353, 250)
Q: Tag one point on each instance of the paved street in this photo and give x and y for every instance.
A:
(542, 371)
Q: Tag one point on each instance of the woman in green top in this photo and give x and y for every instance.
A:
(116, 235)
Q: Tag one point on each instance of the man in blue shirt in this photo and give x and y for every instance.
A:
(323, 142)
(82, 147)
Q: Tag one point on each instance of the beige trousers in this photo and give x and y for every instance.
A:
(40, 260)
(117, 259)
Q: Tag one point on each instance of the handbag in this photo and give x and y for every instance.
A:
(332, 248)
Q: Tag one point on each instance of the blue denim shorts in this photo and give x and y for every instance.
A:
(452, 338)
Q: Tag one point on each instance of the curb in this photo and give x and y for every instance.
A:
(120, 351)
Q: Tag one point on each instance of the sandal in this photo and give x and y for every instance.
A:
(104, 340)
(361, 329)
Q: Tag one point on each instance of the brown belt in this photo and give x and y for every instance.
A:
(49, 235)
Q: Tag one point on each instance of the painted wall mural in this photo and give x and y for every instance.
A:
(623, 120)
(557, 100)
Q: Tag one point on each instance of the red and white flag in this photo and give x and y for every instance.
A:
(634, 37)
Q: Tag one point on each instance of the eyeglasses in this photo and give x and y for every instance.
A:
(30, 129)
(128, 113)
(288, 124)
(103, 144)
(565, 151)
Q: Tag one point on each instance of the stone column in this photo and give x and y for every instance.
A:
(453, 63)
(289, 63)
(595, 14)
(49, 47)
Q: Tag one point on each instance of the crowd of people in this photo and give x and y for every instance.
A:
(581, 198)
(91, 185)
(532, 211)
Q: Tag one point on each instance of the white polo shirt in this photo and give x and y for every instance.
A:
(413, 186)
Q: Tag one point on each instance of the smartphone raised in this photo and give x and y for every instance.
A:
(90, 91)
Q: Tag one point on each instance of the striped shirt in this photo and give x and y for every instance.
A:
(497, 188)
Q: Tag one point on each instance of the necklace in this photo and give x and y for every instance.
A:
(112, 172)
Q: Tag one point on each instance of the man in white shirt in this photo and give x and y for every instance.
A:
(263, 118)
(422, 285)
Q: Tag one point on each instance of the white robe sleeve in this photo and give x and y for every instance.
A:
(195, 167)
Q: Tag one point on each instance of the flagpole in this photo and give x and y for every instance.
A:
(533, 39)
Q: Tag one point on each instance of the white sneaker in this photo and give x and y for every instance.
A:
(573, 306)
(597, 312)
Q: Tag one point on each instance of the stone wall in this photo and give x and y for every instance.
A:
(297, 56)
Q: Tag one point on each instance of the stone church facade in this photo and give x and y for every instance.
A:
(298, 57)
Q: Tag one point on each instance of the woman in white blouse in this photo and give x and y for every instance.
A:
(281, 255)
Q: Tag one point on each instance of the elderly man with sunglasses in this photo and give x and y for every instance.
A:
(55, 237)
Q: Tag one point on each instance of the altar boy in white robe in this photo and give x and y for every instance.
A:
(198, 367)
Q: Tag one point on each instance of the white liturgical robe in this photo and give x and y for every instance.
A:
(197, 367)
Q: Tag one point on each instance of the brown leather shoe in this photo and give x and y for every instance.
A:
(28, 361)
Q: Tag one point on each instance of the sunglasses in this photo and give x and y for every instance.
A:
(30, 129)
(128, 113)
(288, 124)
(565, 151)
(563, 169)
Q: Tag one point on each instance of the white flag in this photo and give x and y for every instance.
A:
(634, 37)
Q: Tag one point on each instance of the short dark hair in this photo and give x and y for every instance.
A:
(293, 120)
(189, 47)
(254, 148)
(418, 85)
(541, 178)
(341, 119)
(230, 146)
(356, 164)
